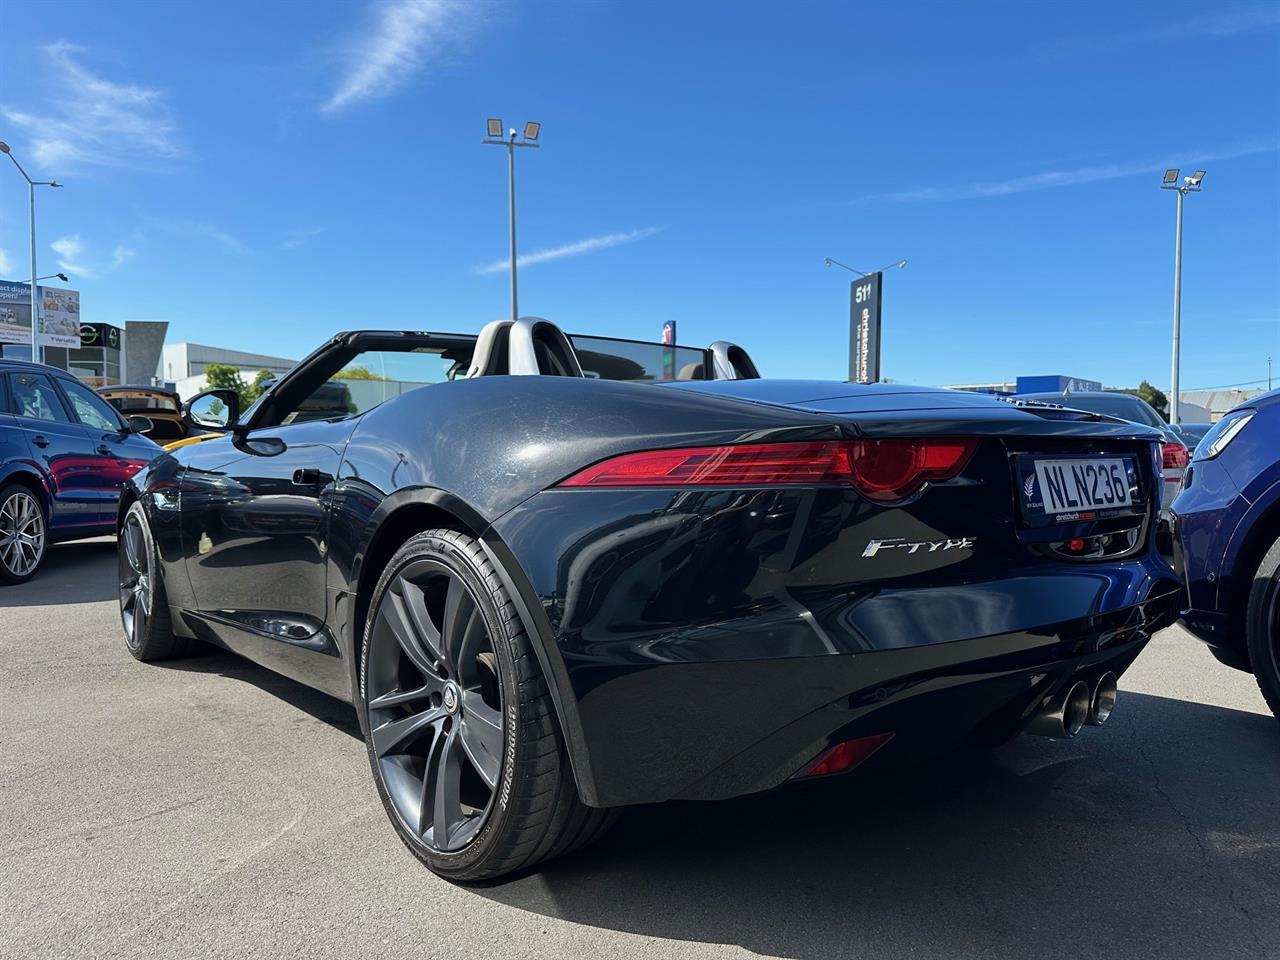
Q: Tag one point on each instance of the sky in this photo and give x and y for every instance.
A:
(264, 174)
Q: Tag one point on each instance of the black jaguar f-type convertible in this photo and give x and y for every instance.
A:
(557, 575)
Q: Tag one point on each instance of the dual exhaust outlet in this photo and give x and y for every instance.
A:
(1073, 708)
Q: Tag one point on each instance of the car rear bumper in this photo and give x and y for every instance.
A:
(701, 646)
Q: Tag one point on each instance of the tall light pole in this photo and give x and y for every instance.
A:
(37, 353)
(1189, 184)
(527, 139)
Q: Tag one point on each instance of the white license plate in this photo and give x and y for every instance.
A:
(1070, 485)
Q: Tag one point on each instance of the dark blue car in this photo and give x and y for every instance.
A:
(64, 455)
(1228, 524)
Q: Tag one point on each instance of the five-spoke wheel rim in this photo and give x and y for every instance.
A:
(135, 580)
(21, 533)
(435, 705)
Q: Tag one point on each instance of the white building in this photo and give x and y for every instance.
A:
(184, 365)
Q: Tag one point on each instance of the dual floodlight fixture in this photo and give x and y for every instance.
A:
(1170, 181)
(532, 128)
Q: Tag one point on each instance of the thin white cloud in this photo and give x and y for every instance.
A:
(6, 265)
(296, 238)
(91, 121)
(70, 251)
(405, 36)
(76, 258)
(200, 230)
(1059, 178)
(1230, 23)
(578, 249)
(120, 255)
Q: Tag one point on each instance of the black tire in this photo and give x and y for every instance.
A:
(144, 605)
(422, 654)
(24, 533)
(1262, 627)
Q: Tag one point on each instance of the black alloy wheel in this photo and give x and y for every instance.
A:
(135, 579)
(1262, 627)
(435, 704)
(22, 534)
(461, 730)
(144, 605)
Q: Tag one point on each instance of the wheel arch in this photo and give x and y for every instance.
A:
(1255, 534)
(32, 481)
(409, 512)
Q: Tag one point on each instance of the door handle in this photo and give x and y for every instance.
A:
(104, 450)
(306, 477)
(40, 440)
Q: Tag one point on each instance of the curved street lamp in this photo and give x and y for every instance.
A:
(37, 351)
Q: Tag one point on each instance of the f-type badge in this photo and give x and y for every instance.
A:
(916, 546)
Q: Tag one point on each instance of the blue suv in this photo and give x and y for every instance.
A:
(1227, 524)
(64, 455)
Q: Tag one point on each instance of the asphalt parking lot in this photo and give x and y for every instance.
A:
(209, 808)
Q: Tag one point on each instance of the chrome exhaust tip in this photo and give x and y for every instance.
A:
(1103, 701)
(1065, 715)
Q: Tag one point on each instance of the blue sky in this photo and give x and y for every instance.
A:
(264, 174)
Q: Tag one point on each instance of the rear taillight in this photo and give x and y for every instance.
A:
(880, 470)
(1174, 456)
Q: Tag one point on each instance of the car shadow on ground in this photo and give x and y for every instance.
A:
(83, 571)
(1125, 846)
(214, 660)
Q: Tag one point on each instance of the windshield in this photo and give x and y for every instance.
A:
(1119, 405)
(606, 358)
(143, 403)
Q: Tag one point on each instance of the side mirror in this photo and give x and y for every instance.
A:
(212, 410)
(140, 424)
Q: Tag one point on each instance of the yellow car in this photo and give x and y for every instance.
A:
(188, 441)
(168, 427)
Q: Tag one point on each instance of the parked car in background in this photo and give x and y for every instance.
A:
(1227, 523)
(553, 594)
(64, 455)
(1126, 406)
(1193, 433)
(162, 407)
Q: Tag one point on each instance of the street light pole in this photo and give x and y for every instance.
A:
(531, 131)
(37, 350)
(1190, 184)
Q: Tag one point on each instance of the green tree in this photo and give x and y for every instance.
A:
(259, 384)
(223, 376)
(358, 373)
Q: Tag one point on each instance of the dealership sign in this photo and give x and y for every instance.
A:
(864, 329)
(99, 335)
(59, 318)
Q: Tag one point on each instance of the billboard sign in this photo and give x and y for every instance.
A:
(15, 312)
(59, 315)
(864, 329)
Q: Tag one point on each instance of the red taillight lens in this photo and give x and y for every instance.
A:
(888, 470)
(881, 470)
(748, 464)
(1174, 456)
(845, 756)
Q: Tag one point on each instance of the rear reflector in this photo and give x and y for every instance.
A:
(1174, 456)
(881, 470)
(845, 756)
